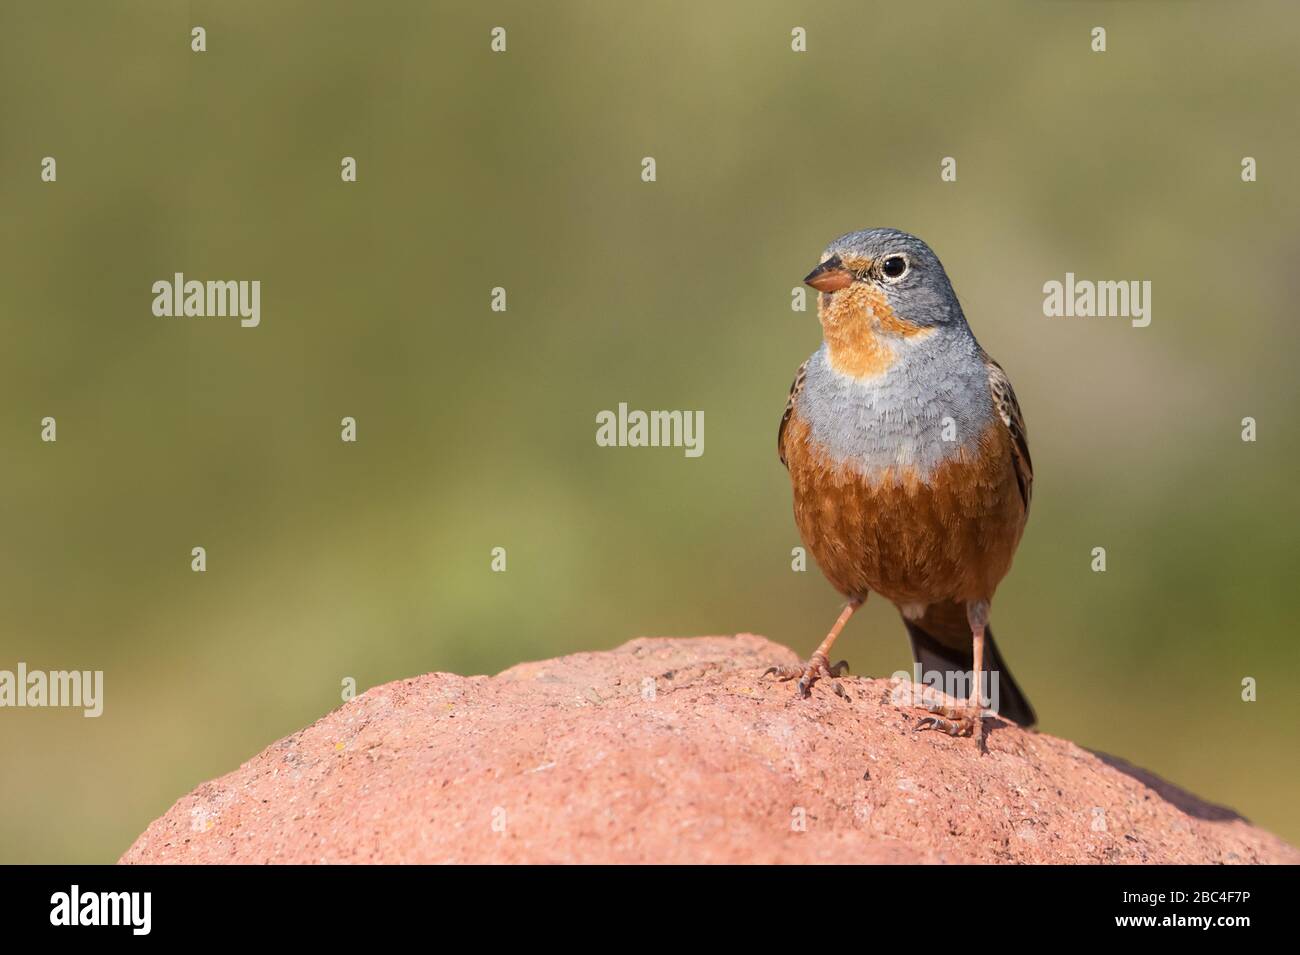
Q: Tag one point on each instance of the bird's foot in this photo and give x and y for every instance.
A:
(961, 719)
(809, 673)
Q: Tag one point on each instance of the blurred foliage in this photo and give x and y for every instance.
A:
(371, 560)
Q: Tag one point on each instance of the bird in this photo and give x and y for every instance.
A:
(909, 464)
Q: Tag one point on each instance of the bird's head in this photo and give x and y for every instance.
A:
(881, 291)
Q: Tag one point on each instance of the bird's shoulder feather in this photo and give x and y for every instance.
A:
(1008, 409)
(795, 387)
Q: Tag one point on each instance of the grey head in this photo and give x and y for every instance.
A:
(900, 265)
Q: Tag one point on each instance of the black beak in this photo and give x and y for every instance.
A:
(830, 276)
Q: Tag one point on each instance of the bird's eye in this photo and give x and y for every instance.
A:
(893, 267)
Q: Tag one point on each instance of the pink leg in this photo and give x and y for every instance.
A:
(818, 664)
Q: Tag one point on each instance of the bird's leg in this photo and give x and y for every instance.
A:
(818, 664)
(967, 719)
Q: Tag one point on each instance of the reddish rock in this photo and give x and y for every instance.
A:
(678, 751)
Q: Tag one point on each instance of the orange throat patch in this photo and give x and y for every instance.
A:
(862, 332)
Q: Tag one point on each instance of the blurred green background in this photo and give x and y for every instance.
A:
(476, 429)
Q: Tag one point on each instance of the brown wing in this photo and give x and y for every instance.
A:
(789, 410)
(1004, 399)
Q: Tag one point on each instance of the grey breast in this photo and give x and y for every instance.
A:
(931, 403)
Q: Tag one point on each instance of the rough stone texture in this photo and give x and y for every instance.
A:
(573, 760)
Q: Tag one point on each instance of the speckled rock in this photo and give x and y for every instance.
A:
(677, 750)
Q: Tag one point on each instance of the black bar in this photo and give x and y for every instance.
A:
(332, 904)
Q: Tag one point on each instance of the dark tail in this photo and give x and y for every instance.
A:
(950, 653)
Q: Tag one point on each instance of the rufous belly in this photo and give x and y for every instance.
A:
(948, 535)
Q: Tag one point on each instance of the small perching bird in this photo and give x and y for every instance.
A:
(910, 467)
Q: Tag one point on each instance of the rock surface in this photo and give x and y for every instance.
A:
(677, 750)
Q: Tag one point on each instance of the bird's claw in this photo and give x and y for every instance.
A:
(815, 669)
(965, 720)
(951, 727)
